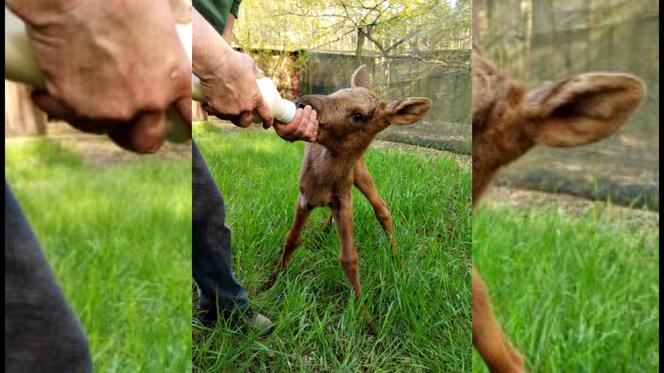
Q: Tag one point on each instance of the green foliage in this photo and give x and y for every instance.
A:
(417, 318)
(387, 28)
(119, 239)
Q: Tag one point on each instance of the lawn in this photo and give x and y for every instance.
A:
(417, 318)
(576, 292)
(119, 239)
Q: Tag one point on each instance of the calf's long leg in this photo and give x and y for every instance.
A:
(294, 236)
(343, 216)
(364, 182)
(488, 338)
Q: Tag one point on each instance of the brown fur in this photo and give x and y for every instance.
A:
(507, 122)
(348, 121)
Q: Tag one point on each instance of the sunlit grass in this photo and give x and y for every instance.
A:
(419, 314)
(575, 293)
(119, 239)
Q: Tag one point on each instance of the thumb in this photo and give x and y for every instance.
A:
(183, 106)
(265, 113)
(144, 134)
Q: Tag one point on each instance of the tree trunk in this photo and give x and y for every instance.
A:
(22, 118)
(197, 112)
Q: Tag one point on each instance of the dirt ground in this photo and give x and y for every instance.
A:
(519, 198)
(99, 150)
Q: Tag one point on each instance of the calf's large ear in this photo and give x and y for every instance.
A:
(407, 111)
(361, 77)
(582, 109)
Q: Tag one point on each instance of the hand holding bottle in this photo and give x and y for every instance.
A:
(99, 81)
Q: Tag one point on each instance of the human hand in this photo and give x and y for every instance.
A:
(228, 78)
(111, 67)
(232, 93)
(304, 126)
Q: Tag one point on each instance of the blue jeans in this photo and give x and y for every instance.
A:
(212, 261)
(42, 333)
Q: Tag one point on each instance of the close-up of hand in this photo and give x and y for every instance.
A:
(304, 126)
(232, 92)
(228, 78)
(106, 73)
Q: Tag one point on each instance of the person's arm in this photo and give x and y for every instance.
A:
(228, 78)
(120, 82)
(228, 30)
(304, 125)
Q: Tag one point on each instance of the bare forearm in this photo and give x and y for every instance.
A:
(209, 49)
(228, 30)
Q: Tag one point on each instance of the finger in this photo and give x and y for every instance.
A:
(303, 118)
(299, 113)
(96, 126)
(210, 110)
(243, 120)
(297, 119)
(304, 130)
(311, 128)
(57, 109)
(183, 107)
(145, 134)
(265, 113)
(302, 126)
(51, 105)
(284, 130)
(312, 118)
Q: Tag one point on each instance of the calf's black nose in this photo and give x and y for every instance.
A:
(312, 100)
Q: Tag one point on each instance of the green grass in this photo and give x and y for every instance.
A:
(419, 314)
(575, 293)
(119, 239)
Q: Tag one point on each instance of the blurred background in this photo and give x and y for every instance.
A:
(116, 229)
(538, 41)
(546, 236)
(414, 48)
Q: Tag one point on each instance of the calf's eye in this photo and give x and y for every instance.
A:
(358, 117)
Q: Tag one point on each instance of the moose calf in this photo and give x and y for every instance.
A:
(348, 121)
(507, 122)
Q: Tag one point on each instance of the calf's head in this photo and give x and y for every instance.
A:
(508, 121)
(350, 118)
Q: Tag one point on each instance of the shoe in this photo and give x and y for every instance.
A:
(252, 320)
(259, 323)
(205, 318)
